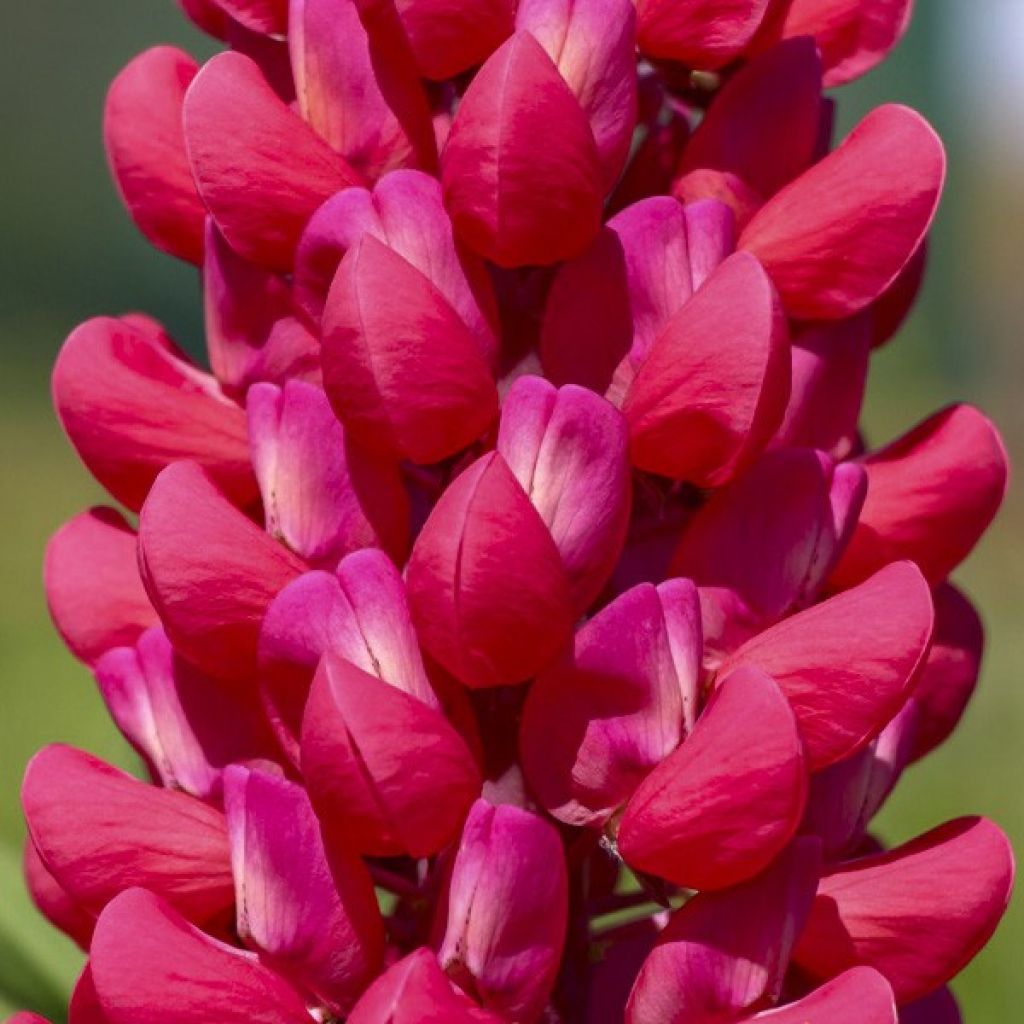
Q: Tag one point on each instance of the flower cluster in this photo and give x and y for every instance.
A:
(516, 627)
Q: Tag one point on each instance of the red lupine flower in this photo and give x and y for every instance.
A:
(516, 628)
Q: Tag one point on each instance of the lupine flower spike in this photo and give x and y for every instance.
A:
(516, 626)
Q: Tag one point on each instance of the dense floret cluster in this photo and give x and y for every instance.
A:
(516, 627)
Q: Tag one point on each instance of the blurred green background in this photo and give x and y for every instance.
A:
(69, 252)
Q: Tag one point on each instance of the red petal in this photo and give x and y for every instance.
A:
(848, 664)
(451, 36)
(387, 773)
(261, 170)
(99, 831)
(703, 34)
(267, 16)
(150, 966)
(918, 914)
(210, 571)
(835, 238)
(130, 407)
(403, 371)
(858, 996)
(715, 385)
(931, 495)
(487, 588)
(53, 902)
(146, 148)
(521, 173)
(93, 588)
(721, 808)
(597, 722)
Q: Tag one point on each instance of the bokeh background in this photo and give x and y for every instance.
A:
(67, 252)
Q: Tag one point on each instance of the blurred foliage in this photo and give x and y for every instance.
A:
(69, 252)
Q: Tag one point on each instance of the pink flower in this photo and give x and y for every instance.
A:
(515, 628)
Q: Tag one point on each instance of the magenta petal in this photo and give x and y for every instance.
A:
(918, 914)
(251, 334)
(835, 238)
(714, 386)
(210, 571)
(150, 966)
(131, 406)
(931, 495)
(487, 588)
(146, 149)
(521, 172)
(402, 370)
(261, 170)
(507, 914)
(950, 674)
(359, 613)
(99, 831)
(174, 715)
(93, 588)
(610, 303)
(778, 559)
(84, 1006)
(698, 33)
(357, 86)
(725, 951)
(858, 996)
(269, 17)
(938, 1008)
(322, 495)
(53, 901)
(764, 125)
(848, 664)
(387, 773)
(719, 809)
(567, 448)
(597, 722)
(593, 46)
(416, 991)
(310, 912)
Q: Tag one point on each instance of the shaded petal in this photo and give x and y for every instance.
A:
(150, 966)
(521, 172)
(451, 36)
(894, 305)
(261, 170)
(714, 387)
(950, 674)
(568, 449)
(807, 506)
(53, 901)
(848, 664)
(206, 15)
(131, 406)
(918, 914)
(267, 16)
(402, 370)
(210, 571)
(830, 369)
(724, 951)
(763, 127)
(416, 991)
(311, 912)
(598, 721)
(704, 34)
(858, 996)
(99, 831)
(835, 238)
(251, 334)
(931, 495)
(593, 45)
(322, 495)
(722, 807)
(612, 301)
(853, 37)
(359, 613)
(357, 85)
(145, 147)
(406, 212)
(387, 773)
(93, 588)
(508, 908)
(487, 587)
(938, 1008)
(175, 716)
